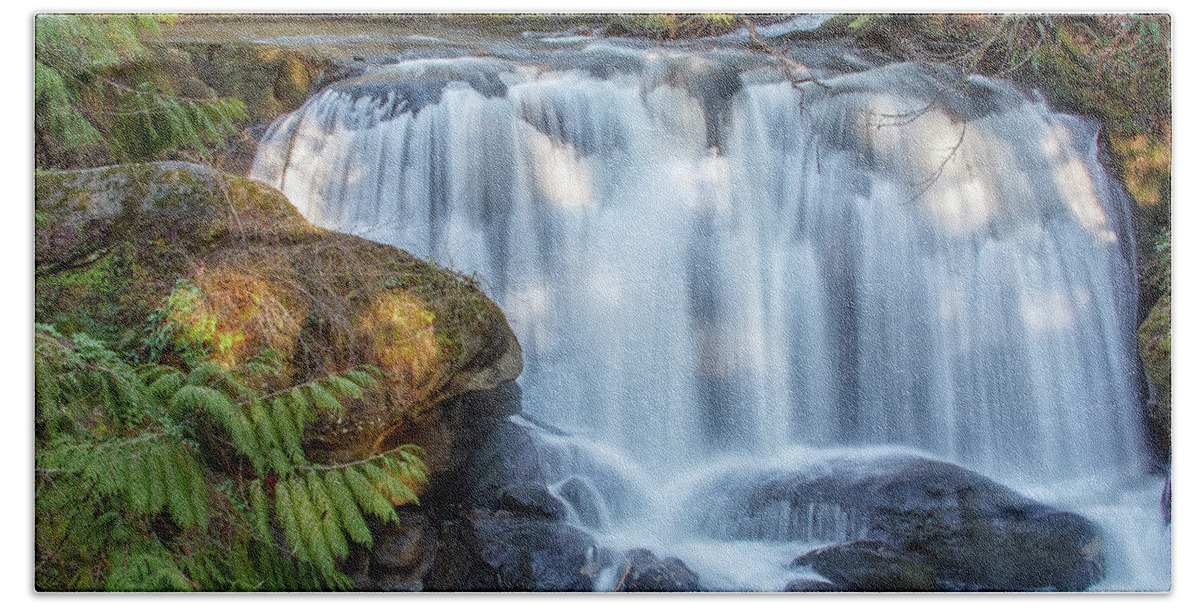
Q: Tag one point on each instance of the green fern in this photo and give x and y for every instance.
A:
(122, 451)
(76, 58)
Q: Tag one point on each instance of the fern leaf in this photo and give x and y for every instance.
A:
(140, 478)
(312, 534)
(287, 430)
(323, 398)
(260, 509)
(287, 518)
(302, 409)
(197, 488)
(343, 387)
(347, 510)
(364, 376)
(397, 492)
(368, 498)
(193, 398)
(179, 502)
(166, 385)
(325, 512)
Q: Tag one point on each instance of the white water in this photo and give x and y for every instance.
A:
(711, 270)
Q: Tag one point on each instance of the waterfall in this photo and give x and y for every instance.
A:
(712, 268)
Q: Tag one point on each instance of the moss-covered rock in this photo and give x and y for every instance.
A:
(1154, 344)
(112, 243)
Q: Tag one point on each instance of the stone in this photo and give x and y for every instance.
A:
(870, 565)
(112, 243)
(646, 572)
(532, 554)
(534, 500)
(974, 533)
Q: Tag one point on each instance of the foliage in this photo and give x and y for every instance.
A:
(670, 26)
(1158, 271)
(86, 99)
(1114, 66)
(192, 477)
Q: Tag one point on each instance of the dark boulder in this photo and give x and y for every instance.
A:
(583, 499)
(806, 585)
(400, 557)
(870, 565)
(507, 458)
(532, 554)
(532, 499)
(643, 571)
(975, 533)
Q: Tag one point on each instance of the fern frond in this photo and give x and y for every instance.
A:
(324, 399)
(288, 430)
(368, 497)
(312, 534)
(347, 509)
(325, 512)
(178, 487)
(343, 387)
(286, 514)
(145, 567)
(260, 510)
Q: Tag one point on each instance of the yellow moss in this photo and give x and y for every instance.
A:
(405, 339)
(250, 315)
(1146, 166)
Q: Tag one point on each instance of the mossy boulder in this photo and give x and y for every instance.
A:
(270, 80)
(1154, 345)
(112, 243)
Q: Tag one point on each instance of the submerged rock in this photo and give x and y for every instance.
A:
(870, 565)
(532, 499)
(974, 533)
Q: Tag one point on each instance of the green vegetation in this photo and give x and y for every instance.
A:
(204, 381)
(671, 26)
(191, 476)
(93, 102)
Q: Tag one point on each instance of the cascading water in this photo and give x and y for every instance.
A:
(716, 272)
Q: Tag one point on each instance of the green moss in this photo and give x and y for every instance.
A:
(265, 280)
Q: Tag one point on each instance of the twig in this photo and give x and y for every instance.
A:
(628, 567)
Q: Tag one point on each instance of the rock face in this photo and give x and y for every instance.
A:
(646, 572)
(112, 243)
(533, 554)
(913, 516)
(400, 558)
(504, 530)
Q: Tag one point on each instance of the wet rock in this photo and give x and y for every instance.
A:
(532, 499)
(583, 500)
(975, 533)
(803, 585)
(645, 572)
(870, 565)
(531, 554)
(508, 457)
(457, 567)
(400, 557)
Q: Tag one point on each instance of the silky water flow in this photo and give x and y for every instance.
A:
(719, 273)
